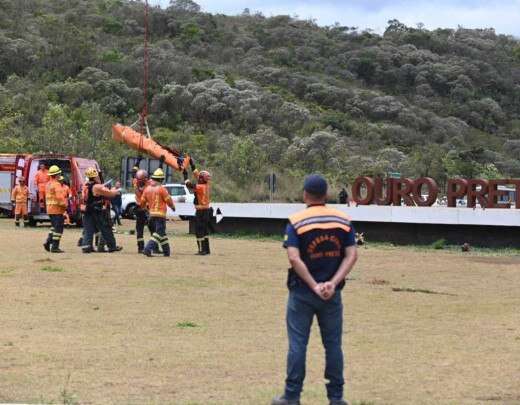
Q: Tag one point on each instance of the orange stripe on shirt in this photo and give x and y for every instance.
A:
(326, 225)
(317, 211)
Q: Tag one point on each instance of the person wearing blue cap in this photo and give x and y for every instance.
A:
(321, 248)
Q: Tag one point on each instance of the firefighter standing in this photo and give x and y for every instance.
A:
(97, 235)
(157, 199)
(56, 202)
(202, 209)
(95, 216)
(19, 197)
(68, 194)
(141, 215)
(40, 180)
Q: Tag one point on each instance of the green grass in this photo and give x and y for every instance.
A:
(249, 236)
(66, 396)
(478, 251)
(438, 244)
(51, 269)
(187, 324)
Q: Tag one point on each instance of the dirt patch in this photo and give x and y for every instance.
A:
(378, 281)
(46, 260)
(503, 261)
(420, 291)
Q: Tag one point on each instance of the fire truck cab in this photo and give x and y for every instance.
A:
(13, 166)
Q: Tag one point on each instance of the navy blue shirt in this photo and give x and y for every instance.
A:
(321, 234)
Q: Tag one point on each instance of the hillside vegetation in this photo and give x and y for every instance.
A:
(249, 95)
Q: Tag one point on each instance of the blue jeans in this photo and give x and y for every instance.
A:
(301, 308)
(159, 237)
(117, 211)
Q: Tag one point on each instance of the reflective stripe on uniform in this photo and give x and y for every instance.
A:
(157, 214)
(140, 239)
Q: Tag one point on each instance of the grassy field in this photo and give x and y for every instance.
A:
(422, 326)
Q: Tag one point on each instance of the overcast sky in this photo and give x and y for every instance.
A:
(503, 15)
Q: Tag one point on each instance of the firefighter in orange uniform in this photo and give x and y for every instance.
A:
(40, 180)
(68, 194)
(140, 182)
(95, 215)
(56, 202)
(19, 198)
(157, 199)
(202, 208)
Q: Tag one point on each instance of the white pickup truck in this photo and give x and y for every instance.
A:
(179, 192)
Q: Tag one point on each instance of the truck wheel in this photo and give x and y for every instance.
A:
(130, 211)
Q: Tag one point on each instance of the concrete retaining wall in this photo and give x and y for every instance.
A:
(399, 225)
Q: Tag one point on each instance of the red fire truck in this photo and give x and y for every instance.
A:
(15, 165)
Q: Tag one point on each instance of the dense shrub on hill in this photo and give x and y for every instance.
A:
(249, 95)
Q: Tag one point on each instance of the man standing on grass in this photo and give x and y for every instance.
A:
(56, 204)
(117, 202)
(321, 248)
(19, 198)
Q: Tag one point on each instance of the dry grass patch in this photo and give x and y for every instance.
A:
(126, 329)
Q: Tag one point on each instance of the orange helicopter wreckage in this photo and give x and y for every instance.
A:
(142, 143)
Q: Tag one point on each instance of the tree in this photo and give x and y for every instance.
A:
(395, 27)
(272, 145)
(185, 5)
(246, 163)
(317, 153)
(16, 57)
(516, 53)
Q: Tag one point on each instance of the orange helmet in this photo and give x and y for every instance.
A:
(205, 175)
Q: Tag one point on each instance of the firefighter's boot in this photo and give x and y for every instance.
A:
(205, 246)
(140, 246)
(47, 244)
(166, 247)
(55, 246)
